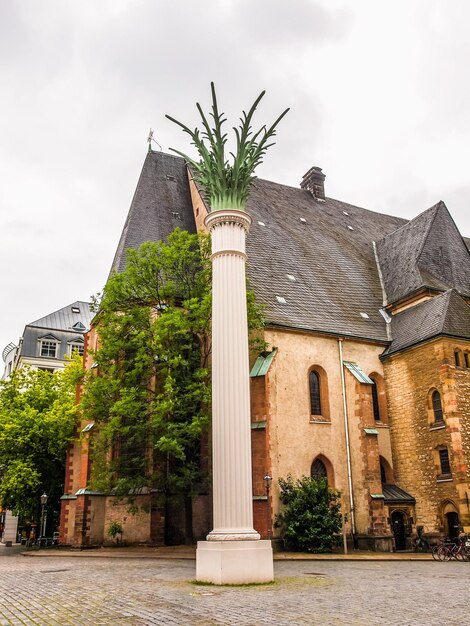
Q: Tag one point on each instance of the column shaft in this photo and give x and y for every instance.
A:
(231, 421)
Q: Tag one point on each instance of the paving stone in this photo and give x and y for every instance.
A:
(132, 592)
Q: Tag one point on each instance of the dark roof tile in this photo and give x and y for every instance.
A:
(161, 203)
(428, 251)
(445, 314)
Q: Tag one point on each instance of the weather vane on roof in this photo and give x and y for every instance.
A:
(150, 139)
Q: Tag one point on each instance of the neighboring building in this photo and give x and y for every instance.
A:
(47, 342)
(367, 376)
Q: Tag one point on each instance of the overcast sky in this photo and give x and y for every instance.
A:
(379, 95)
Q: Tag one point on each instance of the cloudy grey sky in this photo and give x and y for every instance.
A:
(379, 96)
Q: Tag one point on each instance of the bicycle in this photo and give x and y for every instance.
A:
(448, 549)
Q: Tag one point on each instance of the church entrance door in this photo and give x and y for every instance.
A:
(452, 524)
(398, 526)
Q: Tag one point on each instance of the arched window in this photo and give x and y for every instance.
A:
(437, 408)
(375, 401)
(379, 402)
(315, 399)
(386, 472)
(318, 470)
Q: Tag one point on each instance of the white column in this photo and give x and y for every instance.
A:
(233, 552)
(231, 430)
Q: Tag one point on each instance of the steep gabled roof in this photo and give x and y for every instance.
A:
(446, 314)
(161, 202)
(330, 254)
(317, 256)
(428, 251)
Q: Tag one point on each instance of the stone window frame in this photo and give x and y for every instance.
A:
(324, 415)
(441, 475)
(381, 398)
(330, 475)
(458, 357)
(461, 358)
(435, 423)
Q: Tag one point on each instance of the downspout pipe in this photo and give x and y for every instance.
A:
(346, 433)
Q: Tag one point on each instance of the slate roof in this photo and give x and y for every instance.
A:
(428, 251)
(446, 314)
(161, 202)
(327, 246)
(330, 255)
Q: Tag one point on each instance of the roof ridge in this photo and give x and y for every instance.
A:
(436, 208)
(410, 222)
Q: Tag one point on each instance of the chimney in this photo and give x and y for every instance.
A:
(314, 181)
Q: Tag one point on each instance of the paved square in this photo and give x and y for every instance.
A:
(135, 591)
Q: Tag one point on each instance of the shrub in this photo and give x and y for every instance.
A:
(311, 518)
(115, 529)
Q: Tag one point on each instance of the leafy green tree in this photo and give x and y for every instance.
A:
(311, 518)
(37, 419)
(149, 393)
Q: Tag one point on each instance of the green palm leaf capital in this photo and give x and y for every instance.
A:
(227, 185)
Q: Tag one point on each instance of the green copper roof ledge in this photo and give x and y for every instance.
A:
(263, 363)
(358, 373)
(371, 431)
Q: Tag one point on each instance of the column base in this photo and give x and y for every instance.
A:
(234, 562)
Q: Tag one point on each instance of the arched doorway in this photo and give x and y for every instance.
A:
(453, 526)
(398, 527)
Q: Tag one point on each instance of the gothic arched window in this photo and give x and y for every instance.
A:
(437, 407)
(315, 400)
(318, 470)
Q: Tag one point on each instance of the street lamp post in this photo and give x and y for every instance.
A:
(267, 479)
(42, 530)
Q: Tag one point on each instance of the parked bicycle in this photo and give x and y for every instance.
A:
(458, 549)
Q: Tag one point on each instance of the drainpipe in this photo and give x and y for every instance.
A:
(346, 432)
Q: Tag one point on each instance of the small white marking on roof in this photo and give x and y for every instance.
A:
(291, 277)
(364, 315)
(350, 227)
(261, 223)
(345, 213)
(303, 220)
(281, 300)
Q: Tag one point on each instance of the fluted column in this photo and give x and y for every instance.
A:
(231, 429)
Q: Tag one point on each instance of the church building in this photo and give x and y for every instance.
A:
(366, 378)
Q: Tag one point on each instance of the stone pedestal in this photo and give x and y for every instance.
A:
(234, 562)
(233, 552)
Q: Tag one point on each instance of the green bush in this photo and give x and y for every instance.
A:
(311, 517)
(115, 529)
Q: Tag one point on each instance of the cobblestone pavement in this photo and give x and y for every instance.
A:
(136, 592)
